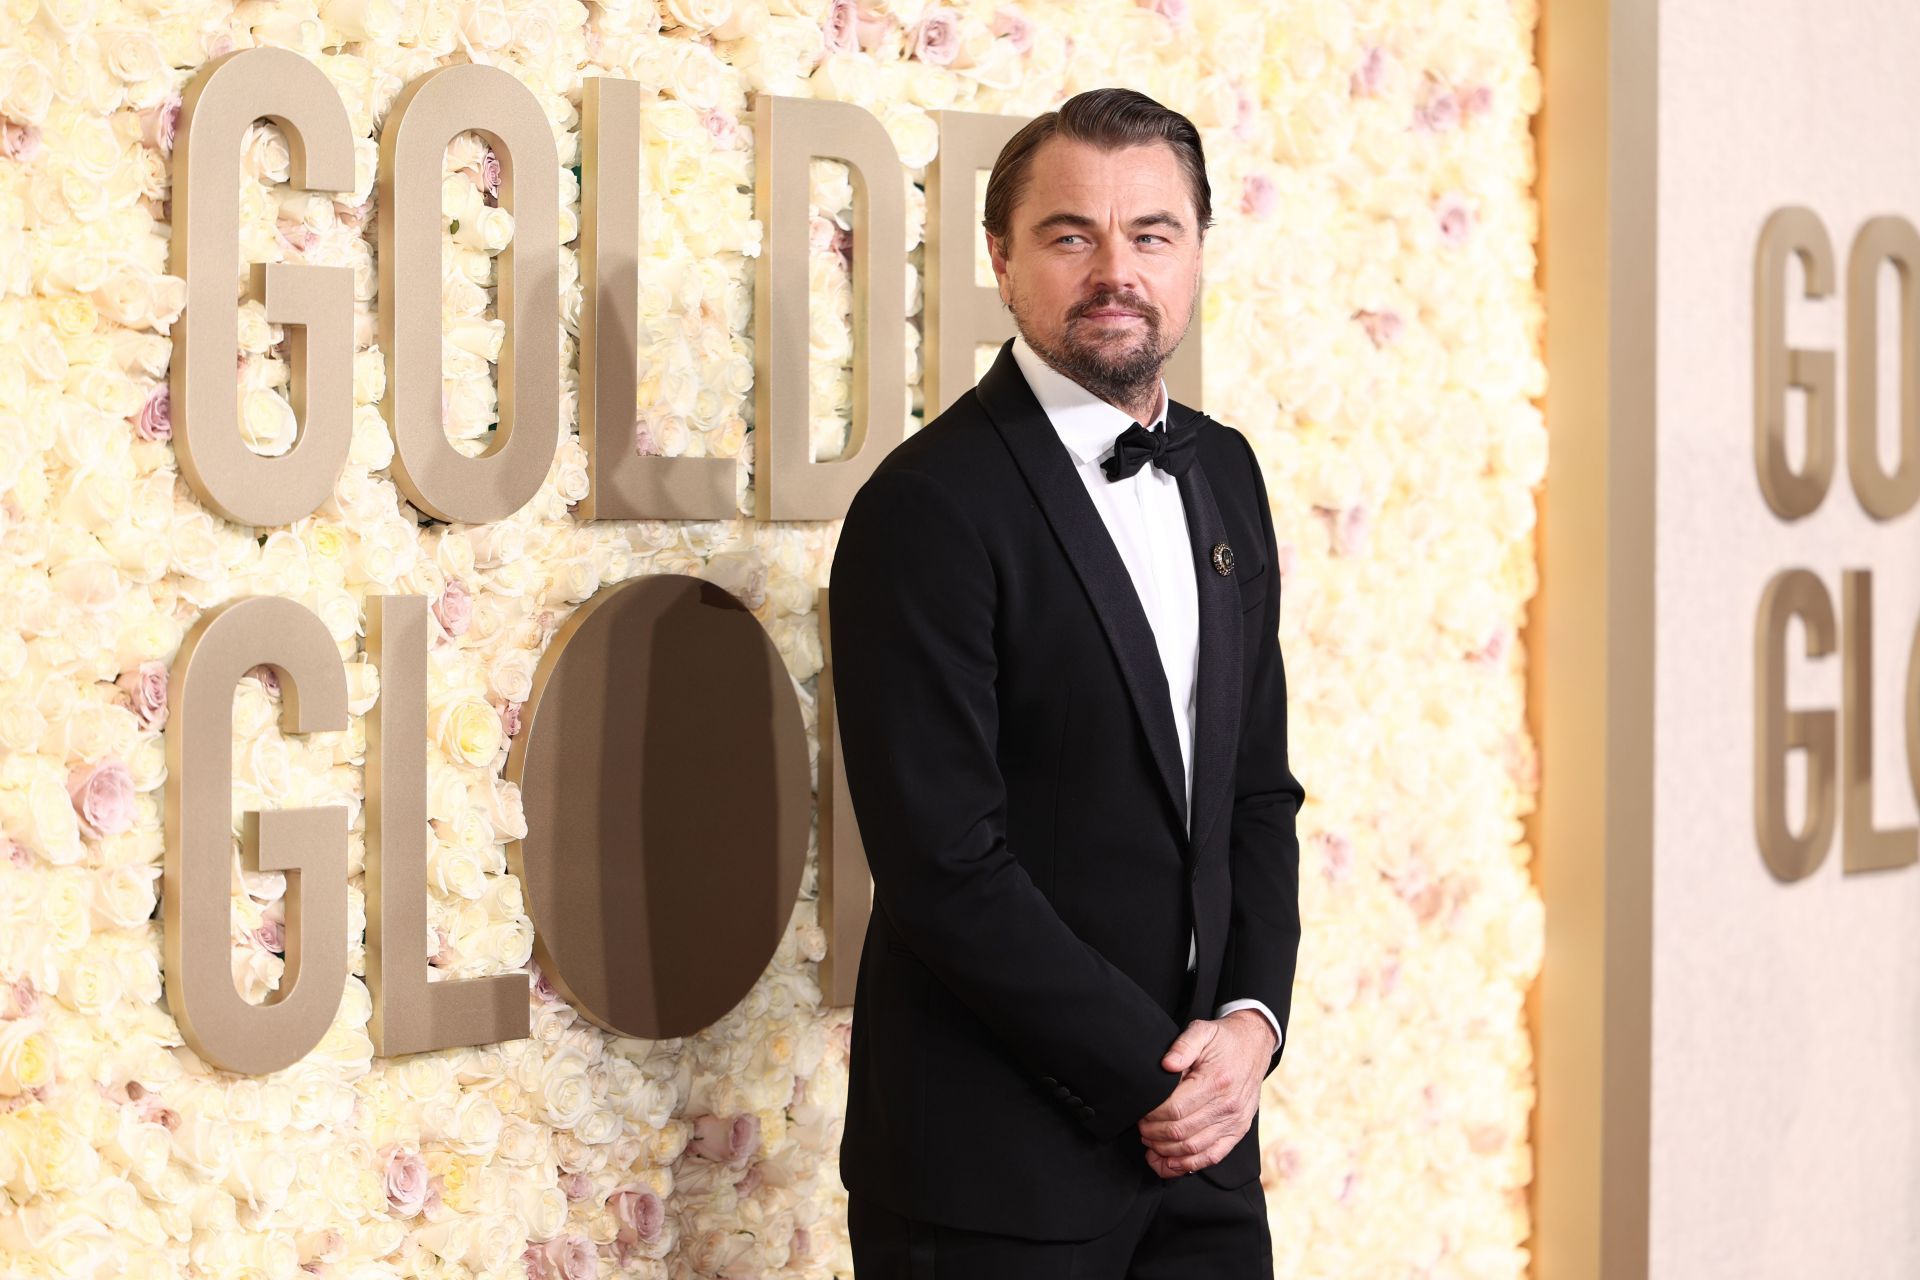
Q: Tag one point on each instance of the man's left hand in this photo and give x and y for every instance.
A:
(1222, 1062)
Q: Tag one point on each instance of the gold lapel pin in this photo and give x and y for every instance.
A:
(1222, 559)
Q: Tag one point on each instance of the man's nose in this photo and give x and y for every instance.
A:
(1113, 266)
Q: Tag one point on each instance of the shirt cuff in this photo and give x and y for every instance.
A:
(1231, 1005)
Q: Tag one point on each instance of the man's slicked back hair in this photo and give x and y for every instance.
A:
(1104, 118)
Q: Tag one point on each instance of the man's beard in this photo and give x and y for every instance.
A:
(1122, 377)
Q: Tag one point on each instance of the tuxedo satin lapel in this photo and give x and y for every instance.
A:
(1217, 690)
(1049, 472)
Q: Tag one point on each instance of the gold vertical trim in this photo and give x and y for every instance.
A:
(1591, 640)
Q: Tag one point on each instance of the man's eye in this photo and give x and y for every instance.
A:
(1148, 235)
(1069, 236)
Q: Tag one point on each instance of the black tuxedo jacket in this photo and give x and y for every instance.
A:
(1012, 763)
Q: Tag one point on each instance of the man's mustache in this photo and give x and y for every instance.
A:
(1145, 310)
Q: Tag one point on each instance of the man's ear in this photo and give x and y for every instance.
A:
(996, 255)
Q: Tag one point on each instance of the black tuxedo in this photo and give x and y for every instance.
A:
(1012, 762)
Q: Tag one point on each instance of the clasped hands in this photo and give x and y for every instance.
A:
(1222, 1062)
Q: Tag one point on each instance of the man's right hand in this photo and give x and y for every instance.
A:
(1222, 1063)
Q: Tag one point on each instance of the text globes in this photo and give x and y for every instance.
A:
(1838, 746)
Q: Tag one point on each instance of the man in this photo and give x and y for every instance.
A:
(1063, 716)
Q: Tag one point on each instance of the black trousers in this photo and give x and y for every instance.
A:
(1178, 1229)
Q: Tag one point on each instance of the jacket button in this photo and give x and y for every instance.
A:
(1086, 1113)
(1061, 1091)
(1049, 1080)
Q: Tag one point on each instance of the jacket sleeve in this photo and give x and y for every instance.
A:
(912, 616)
(1263, 931)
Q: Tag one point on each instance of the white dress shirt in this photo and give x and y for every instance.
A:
(1148, 523)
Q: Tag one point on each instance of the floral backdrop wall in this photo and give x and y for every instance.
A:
(1370, 322)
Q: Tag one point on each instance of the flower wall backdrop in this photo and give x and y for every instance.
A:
(1370, 322)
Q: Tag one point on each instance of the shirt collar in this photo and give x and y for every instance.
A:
(1087, 425)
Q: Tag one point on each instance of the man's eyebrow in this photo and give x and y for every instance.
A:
(1063, 218)
(1160, 218)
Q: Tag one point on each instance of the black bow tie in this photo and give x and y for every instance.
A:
(1171, 451)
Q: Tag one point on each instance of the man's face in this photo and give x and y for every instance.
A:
(1101, 265)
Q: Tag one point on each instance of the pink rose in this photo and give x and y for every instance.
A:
(1174, 11)
(571, 1257)
(270, 936)
(1258, 197)
(722, 128)
(1475, 100)
(575, 1186)
(544, 989)
(17, 854)
(1439, 110)
(935, 38)
(1382, 326)
(149, 1107)
(406, 1180)
(1371, 75)
(19, 141)
(1495, 648)
(454, 608)
(648, 427)
(1336, 852)
(1013, 24)
(298, 237)
(19, 999)
(1351, 529)
(269, 677)
(539, 1265)
(510, 719)
(490, 173)
(158, 124)
(749, 1184)
(146, 691)
(639, 1211)
(725, 1141)
(840, 27)
(874, 27)
(102, 794)
(1455, 219)
(154, 419)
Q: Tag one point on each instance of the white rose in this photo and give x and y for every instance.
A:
(477, 335)
(469, 1123)
(140, 1147)
(267, 422)
(487, 227)
(467, 729)
(44, 819)
(90, 986)
(497, 1240)
(914, 134)
(454, 870)
(373, 442)
(123, 897)
(27, 1056)
(263, 153)
(256, 973)
(523, 1142)
(699, 16)
(696, 76)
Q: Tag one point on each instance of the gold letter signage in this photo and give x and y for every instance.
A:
(663, 760)
(1838, 748)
